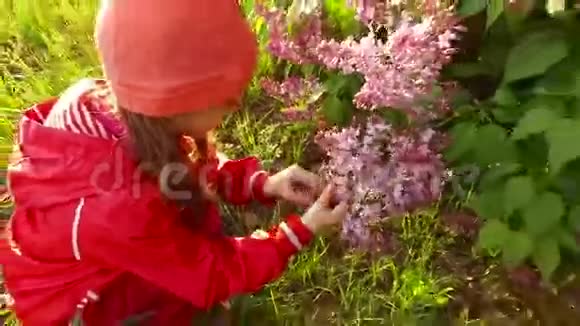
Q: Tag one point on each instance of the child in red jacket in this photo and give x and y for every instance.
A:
(116, 180)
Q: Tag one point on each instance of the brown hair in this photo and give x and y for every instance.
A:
(156, 144)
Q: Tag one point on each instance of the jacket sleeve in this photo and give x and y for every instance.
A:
(241, 181)
(200, 268)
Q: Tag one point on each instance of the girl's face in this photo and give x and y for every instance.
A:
(198, 124)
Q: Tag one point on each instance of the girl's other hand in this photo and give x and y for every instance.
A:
(323, 213)
(294, 184)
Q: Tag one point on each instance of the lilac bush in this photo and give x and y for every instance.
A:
(384, 171)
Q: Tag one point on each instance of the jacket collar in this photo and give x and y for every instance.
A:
(53, 166)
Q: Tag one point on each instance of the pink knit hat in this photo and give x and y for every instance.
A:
(175, 56)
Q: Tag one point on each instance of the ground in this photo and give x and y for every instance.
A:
(432, 274)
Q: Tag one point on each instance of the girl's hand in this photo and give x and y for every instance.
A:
(323, 213)
(295, 185)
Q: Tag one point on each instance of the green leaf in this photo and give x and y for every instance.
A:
(494, 10)
(516, 17)
(543, 213)
(554, 103)
(335, 83)
(343, 86)
(531, 56)
(505, 96)
(507, 114)
(337, 112)
(574, 108)
(460, 100)
(533, 122)
(469, 69)
(567, 239)
(489, 204)
(574, 218)
(533, 152)
(471, 7)
(493, 235)
(568, 184)
(396, 118)
(464, 137)
(498, 173)
(546, 256)
(352, 85)
(518, 247)
(519, 191)
(561, 79)
(496, 45)
(493, 147)
(563, 139)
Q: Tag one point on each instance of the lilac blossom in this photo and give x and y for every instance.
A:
(397, 74)
(401, 72)
(365, 9)
(369, 11)
(297, 95)
(292, 89)
(295, 47)
(382, 171)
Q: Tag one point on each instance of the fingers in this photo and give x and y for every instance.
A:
(308, 179)
(340, 210)
(304, 187)
(326, 196)
(299, 198)
(321, 215)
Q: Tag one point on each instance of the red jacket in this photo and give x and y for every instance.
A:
(90, 235)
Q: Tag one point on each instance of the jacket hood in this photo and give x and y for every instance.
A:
(52, 166)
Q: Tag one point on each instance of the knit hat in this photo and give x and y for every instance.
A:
(175, 56)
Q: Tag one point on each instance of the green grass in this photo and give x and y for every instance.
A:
(47, 45)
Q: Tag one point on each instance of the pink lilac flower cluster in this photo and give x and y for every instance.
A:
(382, 172)
(369, 11)
(401, 72)
(297, 95)
(291, 90)
(397, 74)
(297, 46)
(365, 9)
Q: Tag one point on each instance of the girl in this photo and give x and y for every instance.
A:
(115, 182)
